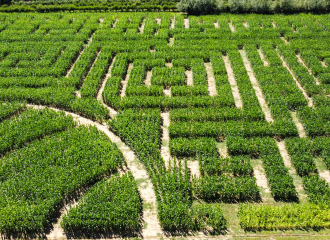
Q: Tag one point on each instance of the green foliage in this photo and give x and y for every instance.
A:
(8, 109)
(111, 205)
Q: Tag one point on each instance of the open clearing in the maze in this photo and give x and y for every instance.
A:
(159, 125)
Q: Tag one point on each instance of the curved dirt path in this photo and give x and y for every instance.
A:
(151, 228)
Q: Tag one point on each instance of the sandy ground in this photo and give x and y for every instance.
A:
(186, 23)
(274, 24)
(148, 78)
(165, 149)
(232, 28)
(259, 174)
(171, 42)
(284, 39)
(287, 162)
(99, 97)
(263, 58)
(158, 20)
(256, 87)
(321, 168)
(310, 101)
(233, 83)
(245, 24)
(114, 23)
(300, 127)
(151, 224)
(124, 83)
(167, 92)
(309, 70)
(169, 65)
(194, 168)
(172, 23)
(210, 80)
(141, 28)
(324, 64)
(222, 149)
(216, 24)
(77, 93)
(189, 78)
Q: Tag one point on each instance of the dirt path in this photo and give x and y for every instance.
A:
(232, 82)
(114, 23)
(171, 42)
(210, 80)
(284, 40)
(274, 24)
(148, 78)
(256, 87)
(169, 64)
(167, 92)
(158, 20)
(324, 64)
(245, 24)
(186, 23)
(80, 53)
(152, 227)
(222, 149)
(263, 58)
(310, 101)
(297, 181)
(142, 24)
(165, 149)
(231, 26)
(124, 83)
(172, 23)
(309, 70)
(189, 78)
(300, 127)
(99, 97)
(216, 24)
(194, 168)
(322, 169)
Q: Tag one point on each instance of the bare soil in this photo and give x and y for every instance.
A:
(124, 83)
(169, 65)
(245, 24)
(172, 23)
(297, 181)
(141, 28)
(324, 64)
(158, 20)
(300, 127)
(274, 24)
(284, 40)
(171, 42)
(256, 87)
(186, 23)
(309, 70)
(194, 168)
(99, 97)
(189, 78)
(148, 78)
(216, 24)
(233, 83)
(310, 101)
(167, 92)
(231, 26)
(165, 150)
(152, 226)
(210, 80)
(322, 169)
(263, 58)
(222, 149)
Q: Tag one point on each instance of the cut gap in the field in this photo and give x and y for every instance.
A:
(142, 24)
(152, 49)
(90, 68)
(231, 26)
(124, 83)
(171, 42)
(297, 181)
(222, 149)
(194, 169)
(216, 24)
(113, 25)
(158, 20)
(262, 182)
(189, 78)
(261, 26)
(263, 58)
(165, 150)
(310, 101)
(101, 20)
(186, 22)
(155, 32)
(77, 93)
(172, 23)
(169, 64)
(284, 40)
(274, 24)
(302, 62)
(167, 92)
(300, 127)
(232, 82)
(322, 169)
(256, 87)
(147, 81)
(245, 24)
(99, 97)
(210, 80)
(324, 64)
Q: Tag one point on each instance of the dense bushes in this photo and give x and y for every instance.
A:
(256, 6)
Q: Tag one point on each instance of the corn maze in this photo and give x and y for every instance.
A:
(157, 125)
